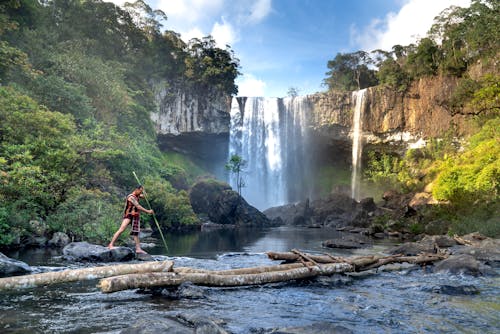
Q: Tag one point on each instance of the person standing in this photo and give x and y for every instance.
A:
(132, 214)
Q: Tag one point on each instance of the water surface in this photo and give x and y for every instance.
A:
(403, 301)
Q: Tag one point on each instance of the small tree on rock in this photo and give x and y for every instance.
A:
(236, 165)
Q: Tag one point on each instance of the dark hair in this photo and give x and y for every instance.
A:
(139, 186)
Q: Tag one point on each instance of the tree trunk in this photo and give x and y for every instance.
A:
(221, 278)
(72, 275)
(359, 263)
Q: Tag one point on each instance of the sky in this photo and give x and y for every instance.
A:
(283, 44)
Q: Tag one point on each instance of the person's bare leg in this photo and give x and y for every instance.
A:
(122, 228)
(138, 248)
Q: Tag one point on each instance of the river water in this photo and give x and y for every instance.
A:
(409, 300)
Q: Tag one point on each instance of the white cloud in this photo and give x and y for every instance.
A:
(411, 23)
(224, 33)
(249, 85)
(194, 32)
(259, 11)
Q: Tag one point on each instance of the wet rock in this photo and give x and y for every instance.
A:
(459, 264)
(336, 210)
(487, 251)
(412, 249)
(59, 239)
(368, 204)
(185, 290)
(442, 241)
(223, 205)
(346, 242)
(456, 290)
(83, 251)
(143, 257)
(317, 328)
(11, 267)
(181, 324)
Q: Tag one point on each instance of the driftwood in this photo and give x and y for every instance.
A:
(229, 278)
(299, 265)
(73, 275)
(359, 263)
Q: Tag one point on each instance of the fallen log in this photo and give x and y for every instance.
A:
(359, 263)
(134, 281)
(84, 274)
(239, 271)
(291, 256)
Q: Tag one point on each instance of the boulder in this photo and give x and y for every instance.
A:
(180, 324)
(459, 264)
(59, 239)
(341, 243)
(335, 210)
(487, 251)
(316, 328)
(83, 251)
(455, 290)
(412, 249)
(442, 241)
(11, 267)
(223, 205)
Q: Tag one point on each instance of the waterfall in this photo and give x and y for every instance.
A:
(270, 134)
(357, 142)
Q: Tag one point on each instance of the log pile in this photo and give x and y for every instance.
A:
(84, 274)
(297, 265)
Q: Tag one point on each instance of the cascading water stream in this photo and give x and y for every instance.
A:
(357, 142)
(270, 134)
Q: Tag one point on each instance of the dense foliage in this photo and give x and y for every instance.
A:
(458, 39)
(75, 104)
(464, 174)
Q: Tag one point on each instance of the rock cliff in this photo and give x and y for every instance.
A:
(193, 123)
(388, 116)
(199, 124)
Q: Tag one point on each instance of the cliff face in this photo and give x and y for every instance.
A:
(198, 124)
(194, 124)
(389, 116)
(182, 112)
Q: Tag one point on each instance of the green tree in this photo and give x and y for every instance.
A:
(236, 165)
(350, 71)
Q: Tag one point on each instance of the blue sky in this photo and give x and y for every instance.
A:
(287, 43)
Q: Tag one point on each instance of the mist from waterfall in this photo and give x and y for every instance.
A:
(357, 142)
(270, 134)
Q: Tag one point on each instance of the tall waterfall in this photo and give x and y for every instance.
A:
(357, 142)
(270, 134)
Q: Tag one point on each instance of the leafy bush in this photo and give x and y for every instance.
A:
(89, 215)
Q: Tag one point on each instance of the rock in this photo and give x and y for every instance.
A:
(412, 249)
(367, 204)
(143, 257)
(222, 205)
(181, 324)
(459, 264)
(59, 239)
(456, 290)
(83, 251)
(442, 241)
(422, 199)
(317, 328)
(487, 251)
(185, 290)
(336, 210)
(346, 242)
(11, 267)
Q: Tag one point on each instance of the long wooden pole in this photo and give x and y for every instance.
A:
(84, 274)
(154, 216)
